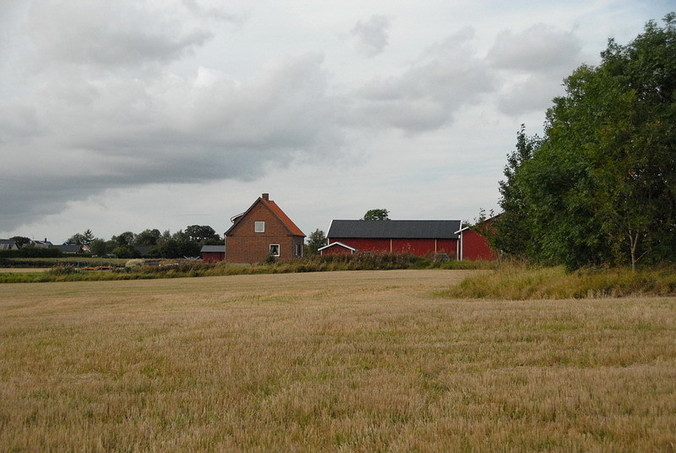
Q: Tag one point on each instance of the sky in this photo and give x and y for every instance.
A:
(134, 114)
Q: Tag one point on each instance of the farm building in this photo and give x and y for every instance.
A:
(473, 243)
(8, 244)
(212, 253)
(72, 249)
(416, 237)
(336, 248)
(263, 230)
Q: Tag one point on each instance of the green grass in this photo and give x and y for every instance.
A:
(519, 282)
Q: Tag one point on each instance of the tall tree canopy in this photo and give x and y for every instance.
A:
(377, 214)
(600, 186)
(82, 238)
(316, 240)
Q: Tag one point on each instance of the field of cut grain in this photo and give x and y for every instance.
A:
(342, 361)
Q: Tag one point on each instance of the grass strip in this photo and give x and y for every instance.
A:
(520, 282)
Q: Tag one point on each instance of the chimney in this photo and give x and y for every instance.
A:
(266, 196)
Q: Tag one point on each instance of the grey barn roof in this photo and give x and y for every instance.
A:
(394, 229)
(213, 249)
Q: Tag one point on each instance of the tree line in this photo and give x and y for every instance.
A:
(599, 186)
(148, 243)
(153, 243)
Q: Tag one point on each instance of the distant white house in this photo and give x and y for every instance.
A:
(42, 244)
(8, 244)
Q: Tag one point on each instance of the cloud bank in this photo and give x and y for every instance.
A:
(98, 95)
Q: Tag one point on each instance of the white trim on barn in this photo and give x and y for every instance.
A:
(339, 244)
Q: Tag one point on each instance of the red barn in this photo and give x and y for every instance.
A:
(212, 253)
(263, 230)
(415, 237)
(473, 243)
(336, 248)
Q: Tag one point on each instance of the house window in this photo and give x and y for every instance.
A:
(299, 249)
(259, 226)
(274, 249)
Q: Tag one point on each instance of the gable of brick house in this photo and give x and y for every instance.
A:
(263, 230)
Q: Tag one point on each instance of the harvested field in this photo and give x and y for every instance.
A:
(340, 361)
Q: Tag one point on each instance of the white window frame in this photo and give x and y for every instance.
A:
(259, 226)
(279, 250)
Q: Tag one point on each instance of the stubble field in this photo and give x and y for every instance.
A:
(342, 361)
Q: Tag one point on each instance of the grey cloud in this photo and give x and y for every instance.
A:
(109, 33)
(372, 35)
(535, 62)
(447, 76)
(534, 93)
(171, 130)
(539, 48)
(207, 12)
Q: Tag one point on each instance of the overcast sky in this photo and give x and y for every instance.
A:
(129, 114)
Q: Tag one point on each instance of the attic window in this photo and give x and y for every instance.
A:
(259, 226)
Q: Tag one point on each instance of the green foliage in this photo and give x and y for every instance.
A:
(316, 240)
(600, 187)
(125, 251)
(377, 214)
(126, 238)
(515, 281)
(31, 252)
(148, 237)
(85, 238)
(98, 247)
(270, 259)
(201, 233)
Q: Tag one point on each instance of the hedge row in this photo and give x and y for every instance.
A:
(31, 252)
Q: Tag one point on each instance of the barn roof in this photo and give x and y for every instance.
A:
(213, 249)
(394, 229)
(70, 248)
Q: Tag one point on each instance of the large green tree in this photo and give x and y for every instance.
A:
(377, 214)
(600, 187)
(315, 241)
(82, 238)
(201, 233)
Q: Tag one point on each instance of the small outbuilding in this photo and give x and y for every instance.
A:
(72, 249)
(212, 253)
(336, 248)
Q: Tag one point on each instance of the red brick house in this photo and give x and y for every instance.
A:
(263, 230)
(415, 237)
(473, 243)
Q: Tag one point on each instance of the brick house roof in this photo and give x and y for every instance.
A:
(284, 218)
(276, 210)
(394, 229)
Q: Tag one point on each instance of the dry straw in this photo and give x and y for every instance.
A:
(342, 361)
